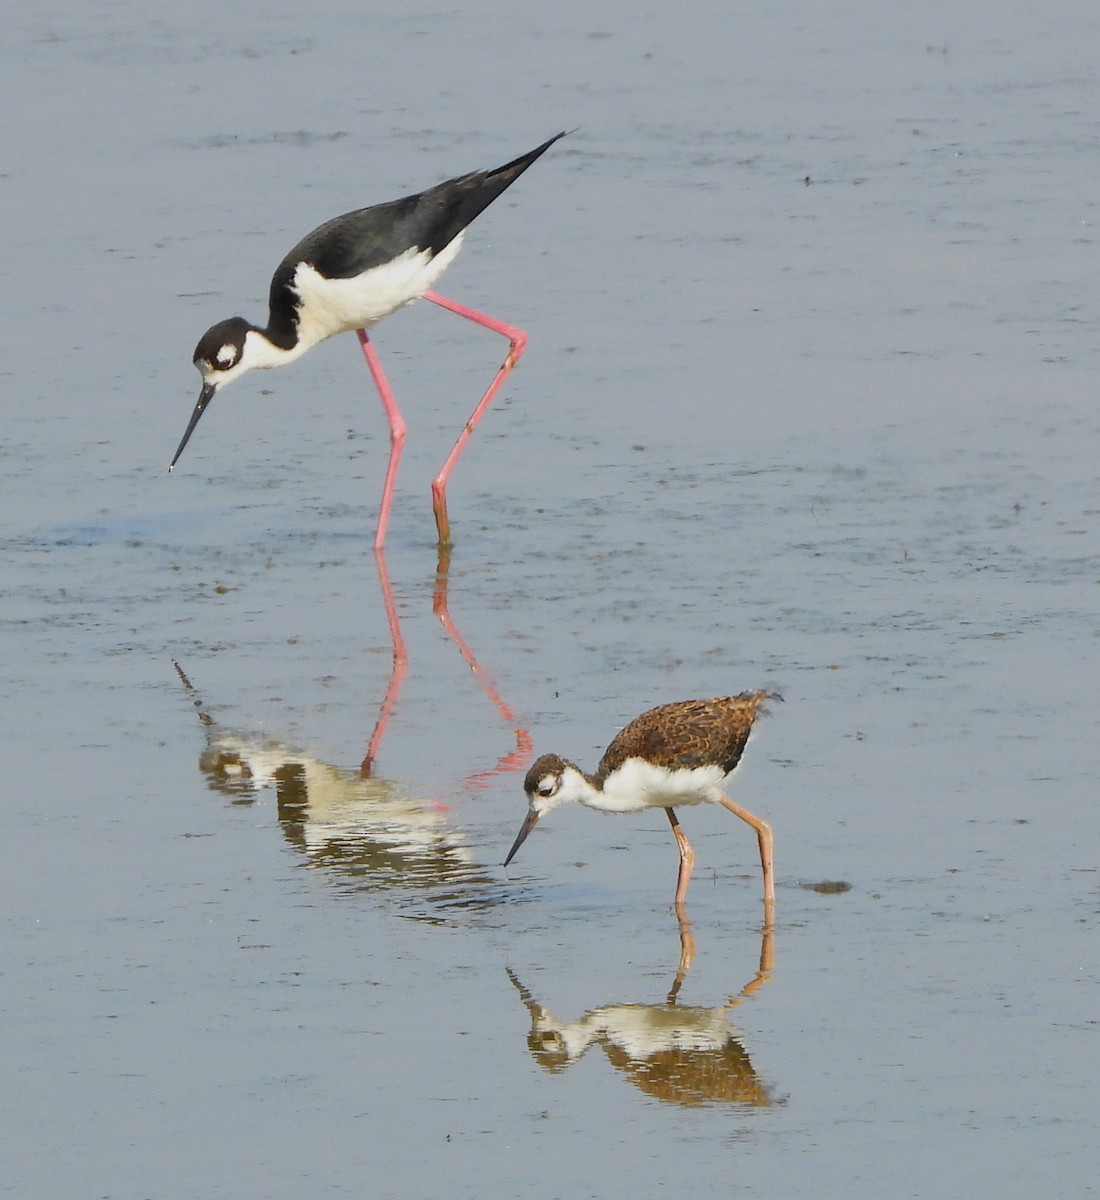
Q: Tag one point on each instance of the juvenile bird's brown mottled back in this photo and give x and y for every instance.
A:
(690, 733)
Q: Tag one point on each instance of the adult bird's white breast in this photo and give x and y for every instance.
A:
(331, 306)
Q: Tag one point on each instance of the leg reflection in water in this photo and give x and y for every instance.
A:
(514, 759)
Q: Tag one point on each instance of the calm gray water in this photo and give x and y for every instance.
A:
(809, 403)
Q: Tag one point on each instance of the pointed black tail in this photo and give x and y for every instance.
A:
(461, 200)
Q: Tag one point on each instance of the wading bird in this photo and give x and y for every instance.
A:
(347, 275)
(677, 754)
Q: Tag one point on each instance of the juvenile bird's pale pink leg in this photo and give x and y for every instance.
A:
(764, 836)
(687, 859)
(518, 340)
(397, 434)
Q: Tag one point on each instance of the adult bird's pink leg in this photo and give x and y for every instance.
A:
(518, 340)
(687, 860)
(764, 836)
(397, 434)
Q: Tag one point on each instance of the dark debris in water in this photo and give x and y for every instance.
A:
(827, 887)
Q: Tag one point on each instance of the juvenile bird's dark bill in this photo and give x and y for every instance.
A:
(528, 825)
(205, 397)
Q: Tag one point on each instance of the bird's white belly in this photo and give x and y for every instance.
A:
(638, 784)
(330, 306)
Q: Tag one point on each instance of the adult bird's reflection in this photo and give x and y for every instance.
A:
(684, 1054)
(370, 833)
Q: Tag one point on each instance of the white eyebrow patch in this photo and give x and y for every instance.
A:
(227, 354)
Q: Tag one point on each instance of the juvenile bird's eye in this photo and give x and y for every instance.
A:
(545, 789)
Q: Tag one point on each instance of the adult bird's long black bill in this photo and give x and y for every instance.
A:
(205, 397)
(528, 825)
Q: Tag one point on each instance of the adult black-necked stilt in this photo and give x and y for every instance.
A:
(672, 755)
(350, 273)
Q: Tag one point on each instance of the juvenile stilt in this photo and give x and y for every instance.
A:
(675, 755)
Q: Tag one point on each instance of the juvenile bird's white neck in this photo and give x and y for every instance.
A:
(574, 787)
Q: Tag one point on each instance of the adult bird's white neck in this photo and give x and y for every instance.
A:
(231, 348)
(260, 353)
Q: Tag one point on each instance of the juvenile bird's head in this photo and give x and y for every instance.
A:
(551, 781)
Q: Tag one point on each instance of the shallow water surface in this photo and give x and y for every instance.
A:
(809, 404)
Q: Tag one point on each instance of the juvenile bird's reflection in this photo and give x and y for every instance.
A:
(683, 1054)
(369, 832)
